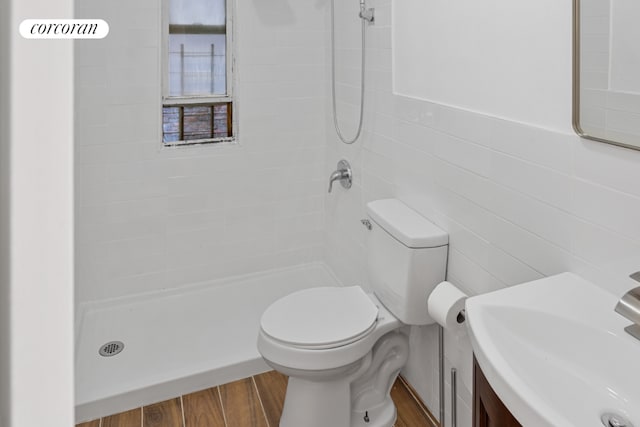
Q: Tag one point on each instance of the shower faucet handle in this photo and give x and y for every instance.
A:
(342, 174)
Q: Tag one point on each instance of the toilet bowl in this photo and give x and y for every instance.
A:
(342, 347)
(334, 368)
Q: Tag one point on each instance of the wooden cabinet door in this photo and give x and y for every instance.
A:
(488, 409)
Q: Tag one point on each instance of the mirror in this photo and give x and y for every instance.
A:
(606, 92)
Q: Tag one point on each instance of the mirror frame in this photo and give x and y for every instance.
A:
(576, 85)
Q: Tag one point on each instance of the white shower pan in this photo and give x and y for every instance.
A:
(178, 341)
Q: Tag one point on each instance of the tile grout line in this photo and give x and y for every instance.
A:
(224, 413)
(184, 421)
(264, 413)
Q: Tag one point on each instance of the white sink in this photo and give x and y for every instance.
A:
(555, 352)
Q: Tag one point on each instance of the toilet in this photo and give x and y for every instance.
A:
(341, 347)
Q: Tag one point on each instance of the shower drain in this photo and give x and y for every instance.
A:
(111, 348)
(615, 420)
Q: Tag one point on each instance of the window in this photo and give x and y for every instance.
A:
(197, 102)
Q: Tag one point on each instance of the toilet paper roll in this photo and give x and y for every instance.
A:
(445, 304)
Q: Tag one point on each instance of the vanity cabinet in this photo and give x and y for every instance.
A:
(488, 409)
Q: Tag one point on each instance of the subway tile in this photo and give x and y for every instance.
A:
(194, 220)
(415, 135)
(123, 211)
(538, 146)
(101, 271)
(92, 234)
(308, 55)
(132, 189)
(463, 211)
(301, 223)
(379, 144)
(407, 159)
(414, 110)
(466, 155)
(376, 187)
(536, 252)
(143, 75)
(113, 192)
(462, 182)
(539, 218)
(471, 277)
(184, 204)
(122, 249)
(292, 207)
(196, 240)
(599, 246)
(510, 270)
(192, 185)
(415, 184)
(608, 208)
(115, 151)
(464, 240)
(91, 76)
(463, 124)
(541, 183)
(301, 39)
(607, 165)
(252, 248)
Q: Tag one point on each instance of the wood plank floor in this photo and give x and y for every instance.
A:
(251, 402)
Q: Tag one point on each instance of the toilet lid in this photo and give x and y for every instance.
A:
(317, 318)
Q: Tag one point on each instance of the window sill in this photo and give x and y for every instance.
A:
(181, 150)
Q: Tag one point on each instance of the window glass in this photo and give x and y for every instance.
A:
(198, 104)
(197, 48)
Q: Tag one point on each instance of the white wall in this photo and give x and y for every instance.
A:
(520, 201)
(151, 218)
(485, 56)
(5, 247)
(36, 217)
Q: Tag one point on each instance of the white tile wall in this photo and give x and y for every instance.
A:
(150, 218)
(519, 202)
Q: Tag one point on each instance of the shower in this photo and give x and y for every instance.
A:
(366, 15)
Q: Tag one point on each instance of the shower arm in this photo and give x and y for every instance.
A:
(366, 14)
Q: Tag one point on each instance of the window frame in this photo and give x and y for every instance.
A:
(199, 100)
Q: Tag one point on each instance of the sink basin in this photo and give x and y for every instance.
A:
(555, 352)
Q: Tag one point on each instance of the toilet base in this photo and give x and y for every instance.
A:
(382, 416)
(354, 396)
(334, 408)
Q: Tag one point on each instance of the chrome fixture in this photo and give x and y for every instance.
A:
(454, 398)
(629, 307)
(615, 420)
(366, 14)
(342, 174)
(441, 373)
(111, 348)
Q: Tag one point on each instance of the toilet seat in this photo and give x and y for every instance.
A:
(320, 318)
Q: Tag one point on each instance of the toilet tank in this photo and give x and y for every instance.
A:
(406, 259)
